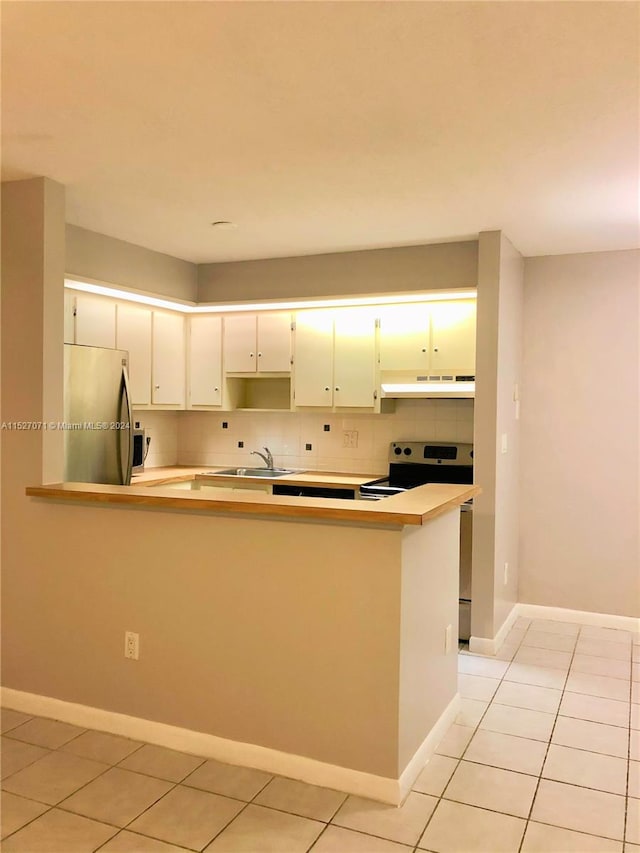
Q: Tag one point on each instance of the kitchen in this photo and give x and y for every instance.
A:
(593, 283)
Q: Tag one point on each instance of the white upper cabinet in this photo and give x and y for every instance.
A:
(168, 359)
(69, 317)
(134, 334)
(354, 358)
(436, 339)
(240, 343)
(404, 337)
(313, 359)
(453, 337)
(334, 363)
(257, 343)
(95, 321)
(205, 360)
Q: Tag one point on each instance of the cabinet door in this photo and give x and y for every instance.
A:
(313, 359)
(168, 359)
(95, 321)
(354, 358)
(274, 343)
(404, 337)
(134, 334)
(453, 337)
(240, 343)
(69, 317)
(205, 361)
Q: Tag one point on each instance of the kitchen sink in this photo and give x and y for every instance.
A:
(256, 472)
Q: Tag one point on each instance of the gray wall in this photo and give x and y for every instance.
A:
(412, 268)
(97, 257)
(498, 369)
(580, 433)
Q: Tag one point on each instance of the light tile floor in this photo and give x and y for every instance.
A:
(543, 758)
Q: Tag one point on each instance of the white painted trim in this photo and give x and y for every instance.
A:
(428, 747)
(488, 645)
(583, 617)
(300, 767)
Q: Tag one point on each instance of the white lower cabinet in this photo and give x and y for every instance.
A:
(334, 361)
(134, 335)
(168, 359)
(205, 360)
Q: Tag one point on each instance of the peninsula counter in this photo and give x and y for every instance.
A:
(310, 637)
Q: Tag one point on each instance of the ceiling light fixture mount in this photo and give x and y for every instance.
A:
(224, 225)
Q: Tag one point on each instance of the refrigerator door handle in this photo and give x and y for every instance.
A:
(126, 435)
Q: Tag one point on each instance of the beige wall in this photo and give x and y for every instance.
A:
(33, 242)
(202, 440)
(411, 268)
(580, 432)
(278, 646)
(104, 259)
(252, 630)
(498, 368)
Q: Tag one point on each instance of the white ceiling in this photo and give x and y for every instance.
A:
(329, 126)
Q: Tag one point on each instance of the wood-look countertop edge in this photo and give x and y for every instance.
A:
(410, 508)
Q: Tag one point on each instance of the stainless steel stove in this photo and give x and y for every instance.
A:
(416, 463)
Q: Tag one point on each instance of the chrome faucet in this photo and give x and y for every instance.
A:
(267, 459)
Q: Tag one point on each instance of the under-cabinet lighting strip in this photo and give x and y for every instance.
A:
(209, 308)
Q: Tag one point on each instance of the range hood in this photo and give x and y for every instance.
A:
(452, 386)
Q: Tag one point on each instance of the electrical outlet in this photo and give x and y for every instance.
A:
(131, 645)
(350, 438)
(448, 637)
(506, 573)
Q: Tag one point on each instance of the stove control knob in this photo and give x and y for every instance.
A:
(407, 451)
(397, 450)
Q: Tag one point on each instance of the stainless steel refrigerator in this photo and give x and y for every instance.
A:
(98, 435)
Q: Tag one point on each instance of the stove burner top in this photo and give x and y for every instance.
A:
(416, 463)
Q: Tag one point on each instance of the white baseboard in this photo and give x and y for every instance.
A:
(490, 645)
(310, 770)
(428, 747)
(583, 617)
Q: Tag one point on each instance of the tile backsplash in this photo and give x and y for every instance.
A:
(301, 439)
(162, 428)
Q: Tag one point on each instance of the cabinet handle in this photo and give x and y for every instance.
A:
(424, 349)
(327, 388)
(216, 389)
(259, 355)
(435, 349)
(337, 387)
(157, 387)
(251, 355)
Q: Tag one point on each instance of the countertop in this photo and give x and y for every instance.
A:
(414, 507)
(325, 479)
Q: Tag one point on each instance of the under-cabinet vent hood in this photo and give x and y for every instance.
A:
(453, 386)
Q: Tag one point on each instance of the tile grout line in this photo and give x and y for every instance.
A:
(330, 821)
(476, 727)
(553, 728)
